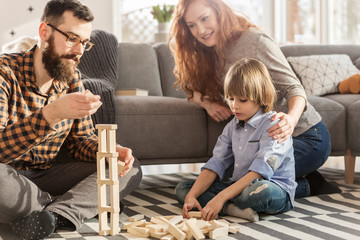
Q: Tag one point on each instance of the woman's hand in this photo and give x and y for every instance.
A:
(190, 203)
(217, 111)
(284, 128)
(212, 208)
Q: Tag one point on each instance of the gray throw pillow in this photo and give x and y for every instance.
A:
(357, 63)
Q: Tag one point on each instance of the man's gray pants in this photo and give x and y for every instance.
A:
(68, 189)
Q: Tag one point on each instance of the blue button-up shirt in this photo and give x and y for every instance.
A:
(249, 148)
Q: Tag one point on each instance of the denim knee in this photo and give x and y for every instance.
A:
(182, 189)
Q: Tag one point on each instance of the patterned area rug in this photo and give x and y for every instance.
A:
(334, 216)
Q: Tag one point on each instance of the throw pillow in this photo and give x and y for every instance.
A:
(321, 74)
(350, 85)
(357, 63)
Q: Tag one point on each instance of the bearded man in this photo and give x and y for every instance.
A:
(44, 107)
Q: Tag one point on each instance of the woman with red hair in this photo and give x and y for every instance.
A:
(206, 38)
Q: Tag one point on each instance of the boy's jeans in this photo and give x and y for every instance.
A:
(272, 199)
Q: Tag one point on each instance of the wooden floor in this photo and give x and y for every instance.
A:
(332, 162)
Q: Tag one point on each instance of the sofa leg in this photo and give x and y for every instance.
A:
(349, 167)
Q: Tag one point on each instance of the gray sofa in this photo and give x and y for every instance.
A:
(164, 128)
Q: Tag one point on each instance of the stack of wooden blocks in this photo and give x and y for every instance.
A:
(107, 153)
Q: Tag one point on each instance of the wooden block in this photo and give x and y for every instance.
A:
(139, 231)
(175, 220)
(173, 230)
(194, 214)
(168, 217)
(136, 218)
(202, 223)
(157, 228)
(157, 220)
(120, 166)
(134, 224)
(195, 230)
(158, 235)
(224, 221)
(168, 237)
(217, 224)
(234, 228)
(219, 232)
(106, 126)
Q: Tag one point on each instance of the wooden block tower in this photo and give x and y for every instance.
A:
(107, 152)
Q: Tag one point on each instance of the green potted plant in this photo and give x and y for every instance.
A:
(163, 16)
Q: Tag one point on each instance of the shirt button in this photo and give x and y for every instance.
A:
(240, 148)
(245, 130)
(236, 165)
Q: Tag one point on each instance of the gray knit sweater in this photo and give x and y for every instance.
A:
(256, 44)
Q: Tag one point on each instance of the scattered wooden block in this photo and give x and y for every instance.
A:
(217, 224)
(157, 227)
(175, 227)
(158, 235)
(136, 218)
(168, 237)
(219, 232)
(175, 220)
(194, 214)
(195, 230)
(134, 224)
(173, 230)
(139, 231)
(234, 228)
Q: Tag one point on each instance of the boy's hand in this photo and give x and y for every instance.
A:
(212, 209)
(190, 203)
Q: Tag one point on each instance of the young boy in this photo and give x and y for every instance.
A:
(263, 173)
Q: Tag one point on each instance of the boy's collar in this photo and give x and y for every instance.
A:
(253, 121)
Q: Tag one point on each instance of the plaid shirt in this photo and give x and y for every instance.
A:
(27, 140)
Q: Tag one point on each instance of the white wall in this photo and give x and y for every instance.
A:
(15, 17)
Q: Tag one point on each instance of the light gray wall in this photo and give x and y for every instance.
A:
(16, 17)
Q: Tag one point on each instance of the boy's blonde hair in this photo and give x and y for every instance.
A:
(250, 78)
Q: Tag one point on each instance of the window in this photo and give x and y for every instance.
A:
(287, 21)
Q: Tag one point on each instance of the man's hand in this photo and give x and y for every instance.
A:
(71, 106)
(125, 155)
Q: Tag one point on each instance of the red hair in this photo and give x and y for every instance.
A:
(196, 67)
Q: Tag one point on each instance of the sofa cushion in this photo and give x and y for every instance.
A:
(334, 116)
(351, 102)
(166, 65)
(321, 74)
(162, 128)
(138, 68)
(353, 128)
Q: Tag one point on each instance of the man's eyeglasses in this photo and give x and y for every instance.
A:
(73, 40)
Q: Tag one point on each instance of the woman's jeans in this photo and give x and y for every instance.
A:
(261, 195)
(311, 150)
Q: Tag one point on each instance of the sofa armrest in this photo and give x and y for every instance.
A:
(334, 116)
(106, 113)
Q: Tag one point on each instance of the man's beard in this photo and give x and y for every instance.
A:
(58, 70)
